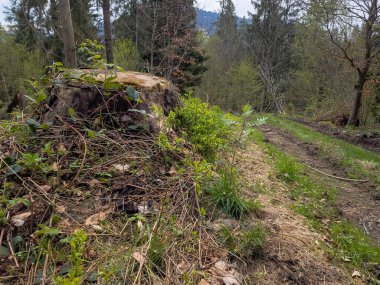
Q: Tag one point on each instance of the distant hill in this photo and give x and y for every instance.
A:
(206, 21)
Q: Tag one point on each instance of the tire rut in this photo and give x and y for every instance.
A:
(355, 200)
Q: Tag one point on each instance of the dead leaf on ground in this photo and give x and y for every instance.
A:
(19, 220)
(230, 281)
(228, 275)
(60, 209)
(173, 171)
(93, 182)
(55, 166)
(138, 256)
(98, 217)
(61, 148)
(45, 188)
(183, 267)
(203, 282)
(121, 167)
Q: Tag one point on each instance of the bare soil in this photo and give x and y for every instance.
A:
(367, 140)
(357, 201)
(294, 253)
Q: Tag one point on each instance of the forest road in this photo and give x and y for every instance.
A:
(357, 201)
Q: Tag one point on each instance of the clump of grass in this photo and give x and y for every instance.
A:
(246, 244)
(287, 168)
(156, 252)
(225, 194)
(354, 244)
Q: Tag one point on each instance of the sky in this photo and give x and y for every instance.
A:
(2, 15)
(242, 7)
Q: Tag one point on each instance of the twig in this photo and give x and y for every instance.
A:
(3, 231)
(13, 254)
(84, 144)
(336, 177)
(137, 279)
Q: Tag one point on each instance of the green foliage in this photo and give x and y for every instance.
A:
(77, 243)
(230, 87)
(246, 244)
(126, 55)
(17, 65)
(225, 194)
(91, 54)
(240, 85)
(205, 127)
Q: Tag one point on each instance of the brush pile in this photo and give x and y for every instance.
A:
(95, 188)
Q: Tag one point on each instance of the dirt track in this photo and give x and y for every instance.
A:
(356, 200)
(370, 141)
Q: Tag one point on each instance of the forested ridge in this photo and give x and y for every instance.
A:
(151, 142)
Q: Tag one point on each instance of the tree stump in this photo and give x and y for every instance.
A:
(122, 99)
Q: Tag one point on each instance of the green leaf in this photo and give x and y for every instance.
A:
(33, 125)
(4, 251)
(66, 240)
(91, 134)
(41, 97)
(111, 85)
(65, 269)
(17, 240)
(14, 169)
(45, 230)
(46, 126)
(92, 277)
(17, 201)
(48, 149)
(133, 94)
(71, 112)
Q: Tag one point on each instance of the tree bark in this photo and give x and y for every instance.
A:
(107, 30)
(67, 34)
(363, 72)
(354, 116)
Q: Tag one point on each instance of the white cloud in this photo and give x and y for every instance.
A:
(242, 6)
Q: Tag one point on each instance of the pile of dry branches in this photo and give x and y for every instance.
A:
(135, 200)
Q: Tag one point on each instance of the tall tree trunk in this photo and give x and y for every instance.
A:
(67, 34)
(363, 72)
(354, 116)
(107, 30)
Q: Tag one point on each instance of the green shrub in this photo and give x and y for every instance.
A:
(224, 193)
(205, 127)
(127, 55)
